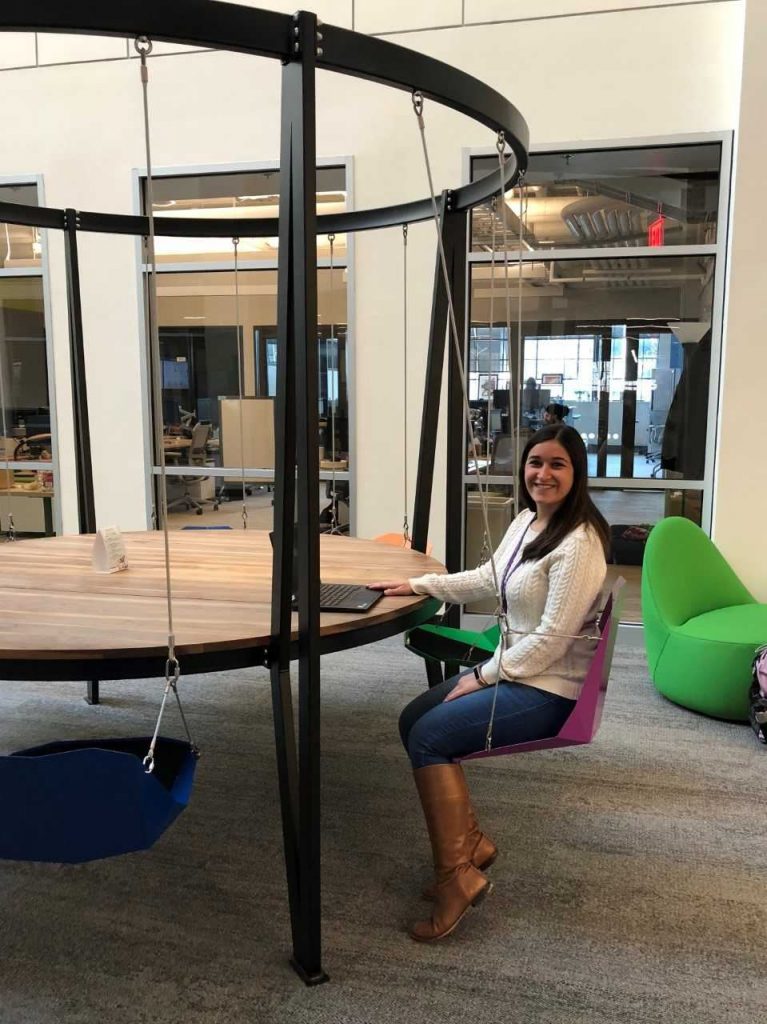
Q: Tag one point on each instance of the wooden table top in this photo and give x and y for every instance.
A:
(175, 442)
(57, 608)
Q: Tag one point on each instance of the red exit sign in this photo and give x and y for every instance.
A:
(656, 231)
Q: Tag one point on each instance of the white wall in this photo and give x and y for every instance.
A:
(627, 74)
(741, 486)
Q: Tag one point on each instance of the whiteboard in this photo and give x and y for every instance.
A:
(257, 432)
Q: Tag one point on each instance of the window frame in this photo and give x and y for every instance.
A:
(43, 273)
(718, 251)
(151, 471)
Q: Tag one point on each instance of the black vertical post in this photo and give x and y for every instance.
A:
(454, 234)
(628, 423)
(603, 434)
(86, 508)
(84, 470)
(297, 477)
(433, 384)
(282, 557)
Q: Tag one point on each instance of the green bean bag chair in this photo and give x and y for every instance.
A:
(701, 625)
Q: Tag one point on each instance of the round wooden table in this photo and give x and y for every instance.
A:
(61, 620)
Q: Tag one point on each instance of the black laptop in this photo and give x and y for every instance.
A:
(337, 597)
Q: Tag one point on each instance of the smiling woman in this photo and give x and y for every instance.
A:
(548, 477)
(546, 577)
(553, 478)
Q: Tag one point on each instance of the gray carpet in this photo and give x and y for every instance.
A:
(630, 886)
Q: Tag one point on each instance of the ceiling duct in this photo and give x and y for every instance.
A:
(597, 221)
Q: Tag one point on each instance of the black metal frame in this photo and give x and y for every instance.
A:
(83, 464)
(303, 46)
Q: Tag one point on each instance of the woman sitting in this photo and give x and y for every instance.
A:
(550, 569)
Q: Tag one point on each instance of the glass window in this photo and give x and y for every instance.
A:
(500, 512)
(26, 490)
(247, 194)
(20, 245)
(202, 364)
(198, 345)
(630, 514)
(618, 348)
(650, 196)
(200, 374)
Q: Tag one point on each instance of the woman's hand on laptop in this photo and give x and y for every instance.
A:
(393, 588)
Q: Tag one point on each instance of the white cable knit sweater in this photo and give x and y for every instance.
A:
(559, 593)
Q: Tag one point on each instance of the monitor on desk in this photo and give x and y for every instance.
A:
(175, 375)
(206, 408)
(38, 424)
(501, 399)
(535, 398)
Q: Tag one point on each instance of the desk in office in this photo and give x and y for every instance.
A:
(63, 621)
(172, 443)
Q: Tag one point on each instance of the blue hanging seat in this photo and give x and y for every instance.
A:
(81, 800)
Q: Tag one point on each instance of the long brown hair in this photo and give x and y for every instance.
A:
(577, 508)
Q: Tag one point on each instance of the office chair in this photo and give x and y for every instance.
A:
(196, 457)
(32, 447)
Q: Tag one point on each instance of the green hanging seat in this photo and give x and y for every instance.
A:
(455, 648)
(701, 624)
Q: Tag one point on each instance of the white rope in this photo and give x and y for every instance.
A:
(486, 548)
(332, 383)
(172, 667)
(515, 382)
(418, 109)
(240, 360)
(520, 340)
(505, 628)
(515, 422)
(405, 524)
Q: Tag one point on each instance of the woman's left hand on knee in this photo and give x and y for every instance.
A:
(468, 683)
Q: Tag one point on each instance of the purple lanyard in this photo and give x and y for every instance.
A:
(511, 566)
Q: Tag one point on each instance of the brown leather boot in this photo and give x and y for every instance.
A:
(483, 851)
(459, 884)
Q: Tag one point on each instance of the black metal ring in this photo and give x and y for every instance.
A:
(143, 46)
(225, 26)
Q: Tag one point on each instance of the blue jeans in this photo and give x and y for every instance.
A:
(435, 732)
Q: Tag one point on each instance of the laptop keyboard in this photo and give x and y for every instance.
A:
(334, 594)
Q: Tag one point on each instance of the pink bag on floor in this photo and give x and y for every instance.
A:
(757, 704)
